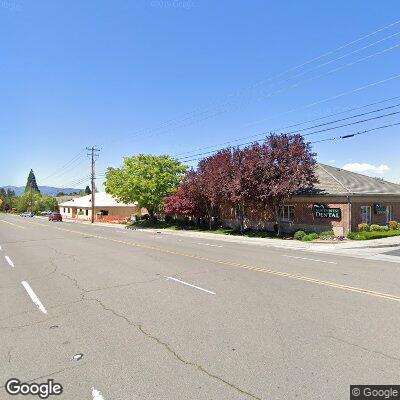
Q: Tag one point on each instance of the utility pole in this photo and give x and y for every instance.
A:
(93, 155)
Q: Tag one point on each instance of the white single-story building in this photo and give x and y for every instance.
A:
(107, 208)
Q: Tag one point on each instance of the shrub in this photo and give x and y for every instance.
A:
(168, 219)
(299, 235)
(352, 235)
(327, 233)
(393, 225)
(363, 227)
(378, 228)
(372, 235)
(310, 236)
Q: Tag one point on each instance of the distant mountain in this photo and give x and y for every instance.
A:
(46, 190)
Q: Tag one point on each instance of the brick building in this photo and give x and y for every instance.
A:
(339, 201)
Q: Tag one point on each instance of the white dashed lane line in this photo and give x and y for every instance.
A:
(188, 284)
(310, 259)
(208, 244)
(33, 297)
(96, 394)
(10, 263)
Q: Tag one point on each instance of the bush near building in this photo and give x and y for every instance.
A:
(378, 228)
(307, 237)
(364, 235)
(366, 232)
(394, 225)
(363, 227)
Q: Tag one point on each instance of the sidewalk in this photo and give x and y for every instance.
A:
(374, 249)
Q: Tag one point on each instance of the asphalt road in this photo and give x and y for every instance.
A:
(153, 316)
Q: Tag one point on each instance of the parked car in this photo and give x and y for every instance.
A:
(45, 213)
(27, 214)
(55, 216)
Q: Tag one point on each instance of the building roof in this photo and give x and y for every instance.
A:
(339, 182)
(102, 200)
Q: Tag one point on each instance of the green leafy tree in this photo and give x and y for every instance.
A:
(87, 190)
(3, 197)
(31, 183)
(8, 198)
(39, 203)
(146, 179)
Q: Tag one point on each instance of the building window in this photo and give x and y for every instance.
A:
(389, 214)
(286, 213)
(365, 215)
(64, 210)
(103, 212)
(87, 212)
(68, 210)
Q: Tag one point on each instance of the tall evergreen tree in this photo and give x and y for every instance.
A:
(87, 190)
(31, 182)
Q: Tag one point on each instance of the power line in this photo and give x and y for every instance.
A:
(78, 181)
(68, 171)
(71, 161)
(341, 137)
(356, 134)
(342, 94)
(346, 55)
(188, 116)
(311, 104)
(185, 159)
(302, 123)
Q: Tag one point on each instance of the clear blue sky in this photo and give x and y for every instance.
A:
(111, 73)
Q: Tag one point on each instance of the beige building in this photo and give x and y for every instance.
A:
(107, 208)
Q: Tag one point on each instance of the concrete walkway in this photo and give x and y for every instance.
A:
(386, 249)
(374, 249)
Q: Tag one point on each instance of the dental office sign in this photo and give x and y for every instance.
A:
(379, 209)
(321, 211)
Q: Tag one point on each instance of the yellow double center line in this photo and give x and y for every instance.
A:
(239, 265)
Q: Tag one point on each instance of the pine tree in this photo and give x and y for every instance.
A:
(87, 190)
(31, 182)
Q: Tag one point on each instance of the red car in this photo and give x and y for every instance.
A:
(55, 216)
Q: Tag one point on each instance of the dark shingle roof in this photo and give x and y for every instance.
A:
(337, 181)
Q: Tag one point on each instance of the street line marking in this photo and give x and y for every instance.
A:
(33, 297)
(211, 245)
(238, 265)
(188, 284)
(10, 223)
(8, 259)
(96, 394)
(0, 248)
(310, 259)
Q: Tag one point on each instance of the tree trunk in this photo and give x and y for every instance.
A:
(241, 218)
(278, 222)
(151, 213)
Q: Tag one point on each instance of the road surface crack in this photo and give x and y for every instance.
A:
(199, 367)
(9, 355)
(365, 348)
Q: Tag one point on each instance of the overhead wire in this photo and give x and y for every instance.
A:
(302, 123)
